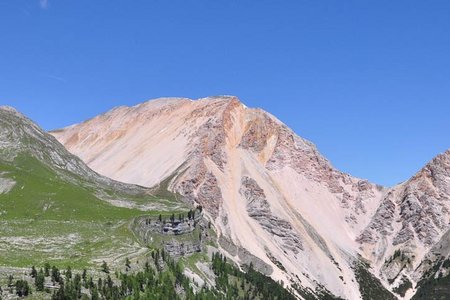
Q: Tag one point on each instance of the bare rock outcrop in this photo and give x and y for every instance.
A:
(381, 223)
(258, 208)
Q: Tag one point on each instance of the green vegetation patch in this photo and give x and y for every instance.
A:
(370, 287)
(403, 287)
(434, 284)
(49, 217)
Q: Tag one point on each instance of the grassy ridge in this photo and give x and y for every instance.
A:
(46, 217)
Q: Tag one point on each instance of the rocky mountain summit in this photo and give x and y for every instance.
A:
(271, 193)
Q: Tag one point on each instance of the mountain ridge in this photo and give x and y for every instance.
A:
(271, 192)
(227, 152)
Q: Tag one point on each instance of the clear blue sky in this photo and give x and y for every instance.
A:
(367, 81)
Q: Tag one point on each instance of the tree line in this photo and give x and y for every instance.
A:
(160, 278)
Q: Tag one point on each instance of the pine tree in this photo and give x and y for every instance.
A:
(22, 288)
(77, 285)
(55, 274)
(47, 269)
(94, 293)
(69, 273)
(40, 281)
(10, 280)
(100, 283)
(33, 272)
(105, 267)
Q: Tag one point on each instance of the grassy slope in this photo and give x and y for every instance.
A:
(45, 218)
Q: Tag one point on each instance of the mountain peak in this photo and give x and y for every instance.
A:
(272, 198)
(248, 170)
(163, 101)
(446, 153)
(225, 98)
(11, 110)
(177, 100)
(8, 108)
(19, 134)
(437, 167)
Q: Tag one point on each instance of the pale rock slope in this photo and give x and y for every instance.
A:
(268, 191)
(412, 219)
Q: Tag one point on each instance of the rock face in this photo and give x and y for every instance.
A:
(19, 134)
(412, 218)
(258, 208)
(6, 185)
(269, 192)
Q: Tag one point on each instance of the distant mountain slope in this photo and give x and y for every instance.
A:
(267, 190)
(54, 208)
(271, 193)
(412, 220)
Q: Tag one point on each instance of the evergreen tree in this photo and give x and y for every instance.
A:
(10, 280)
(22, 288)
(47, 269)
(77, 285)
(105, 267)
(94, 293)
(33, 272)
(55, 274)
(40, 281)
(84, 275)
(69, 273)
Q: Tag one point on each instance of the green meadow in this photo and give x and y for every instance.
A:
(59, 219)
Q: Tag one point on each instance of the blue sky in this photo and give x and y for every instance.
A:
(366, 81)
